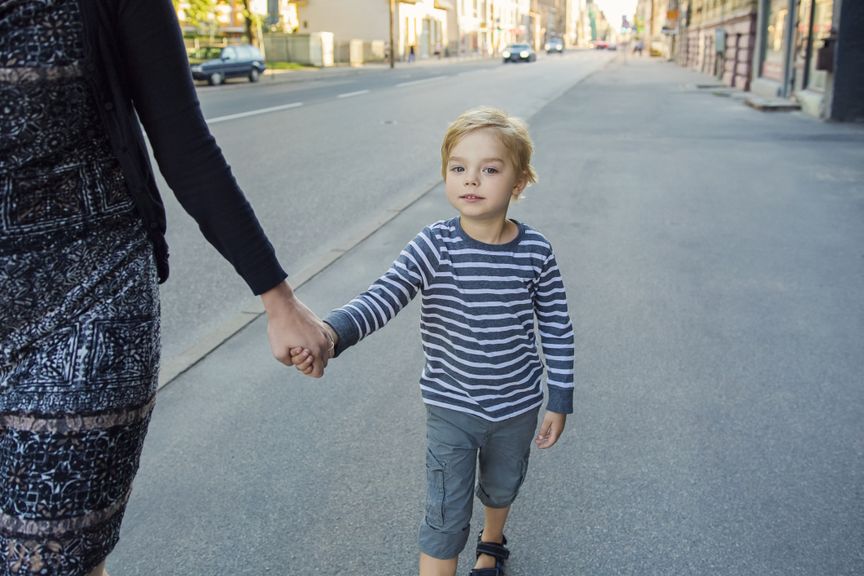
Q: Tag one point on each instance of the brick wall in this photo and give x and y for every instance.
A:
(699, 47)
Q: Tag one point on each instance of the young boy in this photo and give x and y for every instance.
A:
(484, 279)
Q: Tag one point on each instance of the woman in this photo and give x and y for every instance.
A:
(82, 250)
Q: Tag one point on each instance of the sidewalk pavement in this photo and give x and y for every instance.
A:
(343, 69)
(714, 267)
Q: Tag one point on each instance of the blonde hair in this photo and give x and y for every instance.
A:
(512, 131)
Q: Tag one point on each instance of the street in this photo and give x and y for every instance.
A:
(324, 173)
(714, 262)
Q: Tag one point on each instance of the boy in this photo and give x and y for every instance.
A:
(484, 279)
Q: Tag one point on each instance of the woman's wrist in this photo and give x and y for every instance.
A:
(277, 296)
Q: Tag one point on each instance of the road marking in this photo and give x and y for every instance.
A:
(254, 113)
(350, 94)
(423, 81)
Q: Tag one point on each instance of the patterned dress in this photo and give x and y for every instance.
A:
(79, 323)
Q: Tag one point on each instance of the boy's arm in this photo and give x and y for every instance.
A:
(380, 303)
(556, 337)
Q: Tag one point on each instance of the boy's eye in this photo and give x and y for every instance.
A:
(457, 169)
(490, 170)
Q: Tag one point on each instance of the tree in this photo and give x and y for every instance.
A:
(253, 24)
(198, 13)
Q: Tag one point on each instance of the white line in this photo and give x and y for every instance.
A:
(254, 113)
(423, 81)
(350, 94)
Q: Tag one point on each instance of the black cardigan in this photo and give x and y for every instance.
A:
(136, 65)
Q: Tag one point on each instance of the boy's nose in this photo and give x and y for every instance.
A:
(470, 180)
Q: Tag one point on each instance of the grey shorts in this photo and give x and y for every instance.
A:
(456, 443)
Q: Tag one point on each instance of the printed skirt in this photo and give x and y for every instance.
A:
(79, 357)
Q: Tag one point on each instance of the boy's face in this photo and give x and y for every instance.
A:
(481, 179)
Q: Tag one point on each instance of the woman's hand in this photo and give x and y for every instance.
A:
(291, 324)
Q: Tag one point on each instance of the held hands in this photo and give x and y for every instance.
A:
(304, 360)
(550, 429)
(291, 324)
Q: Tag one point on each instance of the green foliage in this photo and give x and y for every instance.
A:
(198, 12)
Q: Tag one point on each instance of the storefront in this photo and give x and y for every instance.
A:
(809, 51)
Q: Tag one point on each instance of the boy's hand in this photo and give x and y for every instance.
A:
(303, 360)
(291, 324)
(333, 337)
(550, 429)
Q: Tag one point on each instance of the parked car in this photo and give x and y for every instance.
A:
(241, 61)
(555, 45)
(601, 44)
(519, 53)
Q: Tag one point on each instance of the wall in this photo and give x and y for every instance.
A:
(346, 19)
(847, 98)
(734, 19)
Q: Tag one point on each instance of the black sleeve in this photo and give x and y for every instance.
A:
(187, 154)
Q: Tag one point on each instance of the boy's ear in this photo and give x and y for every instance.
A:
(521, 183)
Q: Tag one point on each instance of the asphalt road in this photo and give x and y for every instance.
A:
(341, 152)
(714, 260)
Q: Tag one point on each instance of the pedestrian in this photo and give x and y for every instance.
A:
(411, 54)
(82, 250)
(483, 278)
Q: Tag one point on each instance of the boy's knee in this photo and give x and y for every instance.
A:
(497, 497)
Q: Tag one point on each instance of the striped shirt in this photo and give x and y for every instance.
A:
(477, 320)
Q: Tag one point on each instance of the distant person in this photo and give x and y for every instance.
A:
(82, 251)
(411, 55)
(484, 279)
(638, 47)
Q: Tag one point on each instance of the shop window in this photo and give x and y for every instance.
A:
(813, 27)
(775, 40)
(822, 15)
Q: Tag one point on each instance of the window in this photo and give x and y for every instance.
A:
(823, 11)
(775, 40)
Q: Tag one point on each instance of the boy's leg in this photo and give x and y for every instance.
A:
(430, 566)
(493, 531)
(503, 464)
(452, 441)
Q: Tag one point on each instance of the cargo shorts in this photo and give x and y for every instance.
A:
(457, 446)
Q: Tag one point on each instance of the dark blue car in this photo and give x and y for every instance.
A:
(518, 53)
(241, 61)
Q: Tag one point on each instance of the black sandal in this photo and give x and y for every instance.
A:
(497, 551)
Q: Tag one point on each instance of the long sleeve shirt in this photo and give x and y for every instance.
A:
(136, 64)
(477, 320)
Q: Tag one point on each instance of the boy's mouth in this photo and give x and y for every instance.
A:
(471, 197)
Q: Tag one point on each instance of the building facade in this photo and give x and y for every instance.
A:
(813, 52)
(808, 51)
(577, 26)
(418, 24)
(717, 37)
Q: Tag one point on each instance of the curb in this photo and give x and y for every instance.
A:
(253, 309)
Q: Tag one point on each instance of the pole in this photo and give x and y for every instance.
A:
(651, 29)
(392, 25)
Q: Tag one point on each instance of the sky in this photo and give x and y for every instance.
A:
(614, 9)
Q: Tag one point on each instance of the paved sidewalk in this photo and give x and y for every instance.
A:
(714, 264)
(281, 75)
